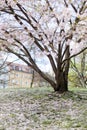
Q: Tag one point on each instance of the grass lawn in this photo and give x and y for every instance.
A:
(43, 109)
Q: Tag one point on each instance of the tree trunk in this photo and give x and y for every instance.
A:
(62, 83)
(62, 71)
(32, 80)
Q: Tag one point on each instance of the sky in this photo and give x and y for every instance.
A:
(42, 63)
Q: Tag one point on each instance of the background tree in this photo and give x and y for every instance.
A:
(57, 29)
(78, 71)
(3, 71)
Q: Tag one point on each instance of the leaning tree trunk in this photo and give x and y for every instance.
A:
(32, 80)
(62, 71)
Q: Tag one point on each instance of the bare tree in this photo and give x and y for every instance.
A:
(79, 67)
(3, 72)
(57, 29)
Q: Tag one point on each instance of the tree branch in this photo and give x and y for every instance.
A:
(74, 55)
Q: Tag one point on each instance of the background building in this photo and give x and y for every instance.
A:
(21, 76)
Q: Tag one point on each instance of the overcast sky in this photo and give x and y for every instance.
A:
(42, 63)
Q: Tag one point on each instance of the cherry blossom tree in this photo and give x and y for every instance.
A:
(57, 30)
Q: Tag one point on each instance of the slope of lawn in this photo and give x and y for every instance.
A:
(43, 109)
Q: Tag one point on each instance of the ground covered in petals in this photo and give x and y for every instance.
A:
(42, 109)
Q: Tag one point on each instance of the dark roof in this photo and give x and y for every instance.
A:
(19, 67)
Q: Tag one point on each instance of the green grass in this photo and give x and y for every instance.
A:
(42, 89)
(77, 89)
(47, 122)
(43, 108)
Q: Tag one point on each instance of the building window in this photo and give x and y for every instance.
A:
(16, 75)
(26, 82)
(12, 67)
(16, 67)
(13, 81)
(20, 68)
